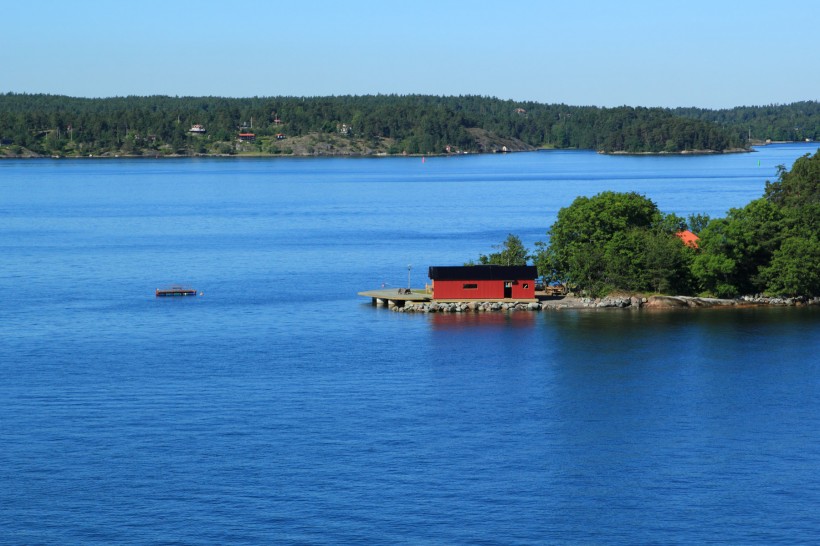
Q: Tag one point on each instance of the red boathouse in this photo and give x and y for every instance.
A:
(484, 282)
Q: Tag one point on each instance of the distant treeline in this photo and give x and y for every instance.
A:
(414, 124)
(789, 122)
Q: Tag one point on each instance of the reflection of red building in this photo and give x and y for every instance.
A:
(450, 322)
(484, 282)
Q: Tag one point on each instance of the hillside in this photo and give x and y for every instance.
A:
(785, 122)
(52, 125)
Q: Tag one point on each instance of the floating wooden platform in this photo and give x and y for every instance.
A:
(175, 291)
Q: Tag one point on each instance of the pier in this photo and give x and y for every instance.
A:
(393, 297)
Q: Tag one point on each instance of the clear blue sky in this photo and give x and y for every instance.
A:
(642, 53)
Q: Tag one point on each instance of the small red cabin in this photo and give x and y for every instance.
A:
(484, 282)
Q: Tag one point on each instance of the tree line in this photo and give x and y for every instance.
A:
(789, 122)
(623, 242)
(414, 124)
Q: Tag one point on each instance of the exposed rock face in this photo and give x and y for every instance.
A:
(687, 301)
(666, 302)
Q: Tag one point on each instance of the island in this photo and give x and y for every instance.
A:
(39, 125)
(618, 250)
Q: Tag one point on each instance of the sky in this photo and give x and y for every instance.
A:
(715, 54)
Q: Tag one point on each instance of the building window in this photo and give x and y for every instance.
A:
(470, 286)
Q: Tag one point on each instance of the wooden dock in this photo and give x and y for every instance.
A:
(396, 296)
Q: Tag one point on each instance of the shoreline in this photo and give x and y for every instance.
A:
(111, 156)
(685, 152)
(330, 153)
(633, 303)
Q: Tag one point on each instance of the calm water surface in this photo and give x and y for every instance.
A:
(281, 408)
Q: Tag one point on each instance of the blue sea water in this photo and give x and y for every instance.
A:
(279, 407)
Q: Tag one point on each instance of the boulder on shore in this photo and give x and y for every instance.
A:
(671, 302)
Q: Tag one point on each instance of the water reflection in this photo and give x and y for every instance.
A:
(459, 321)
(678, 411)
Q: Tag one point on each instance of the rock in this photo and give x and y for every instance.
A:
(666, 302)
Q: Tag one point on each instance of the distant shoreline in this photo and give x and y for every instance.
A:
(381, 154)
(108, 155)
(685, 152)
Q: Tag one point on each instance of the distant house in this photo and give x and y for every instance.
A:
(280, 136)
(688, 238)
(247, 137)
(483, 282)
(197, 129)
(520, 111)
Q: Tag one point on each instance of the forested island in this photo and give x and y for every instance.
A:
(622, 243)
(39, 125)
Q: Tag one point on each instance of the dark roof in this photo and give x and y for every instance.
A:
(483, 272)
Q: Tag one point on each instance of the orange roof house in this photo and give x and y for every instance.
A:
(688, 238)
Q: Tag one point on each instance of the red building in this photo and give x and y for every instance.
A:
(484, 282)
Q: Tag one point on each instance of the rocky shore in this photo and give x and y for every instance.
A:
(625, 302)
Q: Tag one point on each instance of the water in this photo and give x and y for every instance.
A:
(281, 408)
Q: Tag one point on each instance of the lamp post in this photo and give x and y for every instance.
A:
(409, 267)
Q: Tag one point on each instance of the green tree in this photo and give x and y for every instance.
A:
(696, 222)
(511, 252)
(795, 265)
(652, 260)
(771, 244)
(734, 249)
(798, 187)
(795, 268)
(615, 241)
